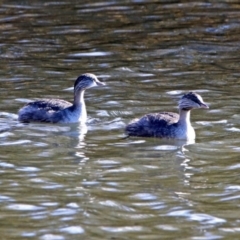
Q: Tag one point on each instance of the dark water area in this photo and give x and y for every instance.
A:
(67, 182)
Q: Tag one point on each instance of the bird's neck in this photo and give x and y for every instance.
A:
(184, 117)
(79, 106)
(79, 99)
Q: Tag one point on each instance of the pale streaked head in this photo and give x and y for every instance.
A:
(85, 81)
(191, 100)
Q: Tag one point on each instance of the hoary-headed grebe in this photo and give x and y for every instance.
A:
(167, 124)
(60, 111)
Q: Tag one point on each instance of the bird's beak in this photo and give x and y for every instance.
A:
(100, 83)
(204, 105)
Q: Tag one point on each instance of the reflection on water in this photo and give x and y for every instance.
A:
(63, 180)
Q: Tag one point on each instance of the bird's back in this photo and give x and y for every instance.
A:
(45, 110)
(154, 125)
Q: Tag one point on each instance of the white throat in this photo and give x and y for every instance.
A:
(80, 111)
(184, 122)
(184, 117)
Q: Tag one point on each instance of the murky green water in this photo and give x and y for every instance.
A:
(61, 182)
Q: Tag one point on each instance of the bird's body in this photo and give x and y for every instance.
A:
(168, 124)
(52, 111)
(61, 111)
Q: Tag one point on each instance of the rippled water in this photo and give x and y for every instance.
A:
(64, 182)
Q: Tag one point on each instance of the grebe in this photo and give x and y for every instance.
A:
(167, 124)
(60, 111)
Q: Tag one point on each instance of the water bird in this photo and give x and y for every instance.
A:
(60, 111)
(168, 124)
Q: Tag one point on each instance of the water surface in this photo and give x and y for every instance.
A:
(64, 182)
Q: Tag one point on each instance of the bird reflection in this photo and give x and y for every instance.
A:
(82, 131)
